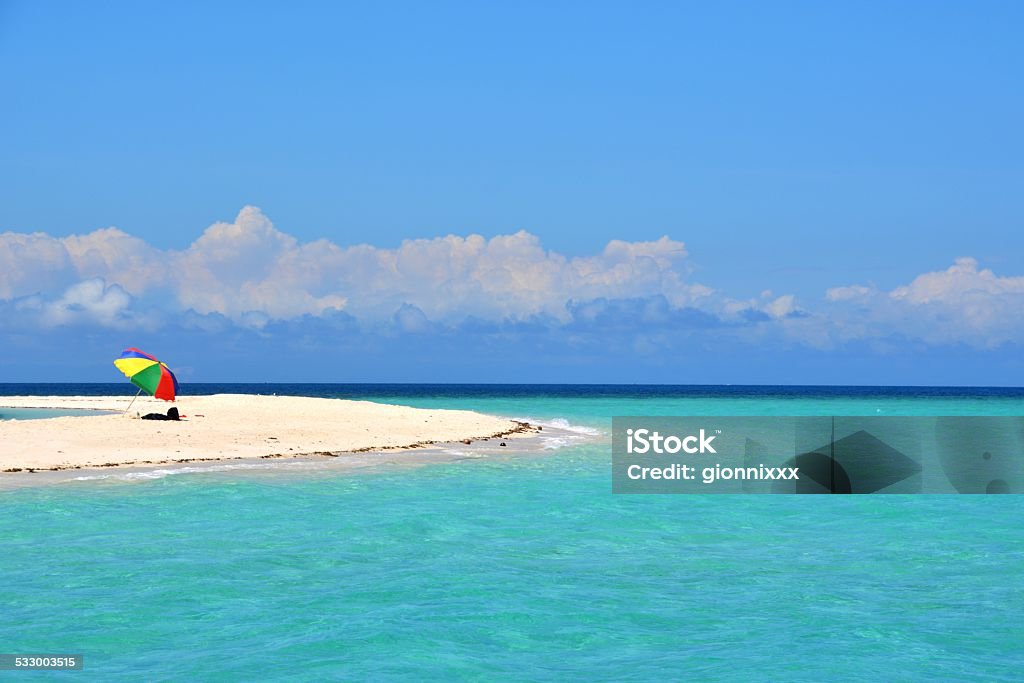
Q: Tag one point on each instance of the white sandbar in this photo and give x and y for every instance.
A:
(227, 426)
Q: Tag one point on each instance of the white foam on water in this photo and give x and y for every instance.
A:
(560, 433)
(160, 473)
(462, 454)
(561, 423)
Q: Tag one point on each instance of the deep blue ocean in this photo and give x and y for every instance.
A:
(516, 568)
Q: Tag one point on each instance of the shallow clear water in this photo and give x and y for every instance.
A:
(43, 413)
(517, 568)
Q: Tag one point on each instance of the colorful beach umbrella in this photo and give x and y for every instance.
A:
(148, 374)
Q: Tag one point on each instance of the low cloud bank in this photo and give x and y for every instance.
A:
(248, 274)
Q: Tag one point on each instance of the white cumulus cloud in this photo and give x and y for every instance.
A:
(90, 301)
(247, 269)
(962, 304)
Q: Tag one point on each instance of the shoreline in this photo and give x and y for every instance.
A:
(230, 427)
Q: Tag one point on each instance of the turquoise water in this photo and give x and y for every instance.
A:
(43, 413)
(517, 568)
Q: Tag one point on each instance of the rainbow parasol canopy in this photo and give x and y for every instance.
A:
(148, 374)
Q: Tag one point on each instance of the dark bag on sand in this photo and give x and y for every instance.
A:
(172, 414)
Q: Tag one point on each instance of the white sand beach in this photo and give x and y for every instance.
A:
(227, 426)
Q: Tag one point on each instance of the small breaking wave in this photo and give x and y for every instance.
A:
(560, 433)
(563, 424)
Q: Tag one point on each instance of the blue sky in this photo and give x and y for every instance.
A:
(803, 149)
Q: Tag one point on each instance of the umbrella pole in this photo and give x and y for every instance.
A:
(133, 401)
